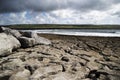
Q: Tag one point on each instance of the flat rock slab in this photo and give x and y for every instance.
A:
(67, 58)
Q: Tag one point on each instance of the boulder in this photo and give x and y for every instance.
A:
(1, 30)
(26, 42)
(13, 32)
(38, 39)
(26, 34)
(7, 44)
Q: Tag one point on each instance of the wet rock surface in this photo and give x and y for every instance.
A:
(66, 58)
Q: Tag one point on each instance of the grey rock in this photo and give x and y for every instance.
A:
(9, 67)
(63, 76)
(111, 65)
(44, 71)
(61, 61)
(26, 34)
(107, 52)
(103, 77)
(114, 77)
(32, 65)
(13, 64)
(7, 44)
(21, 75)
(13, 32)
(5, 75)
(26, 42)
(85, 79)
(1, 30)
(93, 65)
(117, 51)
(38, 39)
(65, 59)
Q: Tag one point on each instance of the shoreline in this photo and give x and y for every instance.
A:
(58, 36)
(76, 32)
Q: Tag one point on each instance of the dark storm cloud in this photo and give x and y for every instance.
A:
(23, 5)
(7, 6)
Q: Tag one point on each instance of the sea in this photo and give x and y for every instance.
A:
(79, 32)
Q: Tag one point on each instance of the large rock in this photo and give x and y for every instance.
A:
(7, 44)
(26, 42)
(26, 34)
(13, 32)
(38, 39)
(1, 30)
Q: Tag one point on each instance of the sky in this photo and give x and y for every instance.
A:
(59, 12)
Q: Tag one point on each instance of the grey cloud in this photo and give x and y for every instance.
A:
(116, 14)
(23, 5)
(116, 1)
(86, 5)
(7, 6)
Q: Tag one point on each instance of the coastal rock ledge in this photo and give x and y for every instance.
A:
(32, 56)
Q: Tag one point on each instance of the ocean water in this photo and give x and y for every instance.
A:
(80, 32)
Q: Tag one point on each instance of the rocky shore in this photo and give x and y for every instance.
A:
(31, 56)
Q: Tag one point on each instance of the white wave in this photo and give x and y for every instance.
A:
(76, 33)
